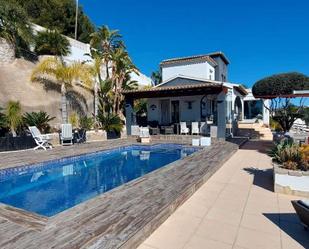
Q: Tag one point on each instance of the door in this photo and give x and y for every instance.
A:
(175, 111)
(165, 112)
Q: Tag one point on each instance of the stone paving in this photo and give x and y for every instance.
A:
(236, 208)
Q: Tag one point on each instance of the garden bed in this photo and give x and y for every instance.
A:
(10, 143)
(292, 182)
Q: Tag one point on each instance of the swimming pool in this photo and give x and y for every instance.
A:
(52, 187)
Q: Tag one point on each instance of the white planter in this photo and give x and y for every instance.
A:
(292, 182)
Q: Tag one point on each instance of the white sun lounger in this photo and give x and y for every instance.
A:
(42, 140)
(66, 136)
(144, 135)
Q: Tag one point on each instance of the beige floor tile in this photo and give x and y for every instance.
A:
(261, 206)
(230, 204)
(197, 242)
(290, 243)
(195, 207)
(217, 230)
(228, 217)
(260, 222)
(253, 239)
(174, 233)
(144, 246)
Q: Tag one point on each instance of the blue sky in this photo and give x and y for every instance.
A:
(259, 37)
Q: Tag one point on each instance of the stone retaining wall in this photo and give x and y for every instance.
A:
(7, 52)
(291, 182)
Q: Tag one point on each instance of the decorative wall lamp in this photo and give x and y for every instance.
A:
(153, 107)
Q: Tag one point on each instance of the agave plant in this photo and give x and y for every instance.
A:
(287, 153)
(14, 117)
(110, 122)
(39, 119)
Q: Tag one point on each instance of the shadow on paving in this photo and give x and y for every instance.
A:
(290, 224)
(259, 145)
(262, 178)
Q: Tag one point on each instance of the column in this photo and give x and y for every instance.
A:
(129, 114)
(221, 115)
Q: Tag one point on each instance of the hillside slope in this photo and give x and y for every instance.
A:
(15, 85)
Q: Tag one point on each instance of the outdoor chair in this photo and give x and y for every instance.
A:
(203, 128)
(153, 127)
(42, 140)
(144, 135)
(194, 128)
(66, 136)
(183, 128)
(167, 129)
(302, 209)
(80, 136)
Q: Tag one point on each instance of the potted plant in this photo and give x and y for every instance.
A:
(291, 168)
(111, 123)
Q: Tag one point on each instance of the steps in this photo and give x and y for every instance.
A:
(255, 131)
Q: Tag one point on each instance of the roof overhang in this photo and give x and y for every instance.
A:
(243, 91)
(175, 91)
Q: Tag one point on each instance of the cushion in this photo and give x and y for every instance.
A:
(305, 203)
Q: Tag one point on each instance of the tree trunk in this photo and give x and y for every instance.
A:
(64, 111)
(96, 100)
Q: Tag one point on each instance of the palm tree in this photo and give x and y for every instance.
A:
(76, 74)
(15, 27)
(39, 119)
(122, 66)
(156, 77)
(51, 42)
(106, 41)
(14, 117)
(97, 58)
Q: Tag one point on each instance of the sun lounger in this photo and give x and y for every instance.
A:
(144, 135)
(302, 209)
(66, 135)
(42, 140)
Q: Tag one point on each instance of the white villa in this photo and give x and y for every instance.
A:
(196, 89)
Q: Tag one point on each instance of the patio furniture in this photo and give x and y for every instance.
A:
(195, 142)
(194, 128)
(302, 209)
(167, 129)
(153, 127)
(183, 128)
(144, 135)
(135, 130)
(80, 136)
(203, 128)
(42, 140)
(66, 136)
(205, 141)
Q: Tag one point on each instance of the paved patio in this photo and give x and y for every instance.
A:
(236, 208)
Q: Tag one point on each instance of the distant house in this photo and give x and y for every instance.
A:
(196, 89)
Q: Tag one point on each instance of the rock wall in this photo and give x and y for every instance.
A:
(7, 52)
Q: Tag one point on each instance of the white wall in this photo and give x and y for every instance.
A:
(196, 70)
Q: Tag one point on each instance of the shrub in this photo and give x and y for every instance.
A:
(39, 119)
(86, 122)
(290, 155)
(14, 117)
(51, 42)
(73, 119)
(280, 84)
(110, 122)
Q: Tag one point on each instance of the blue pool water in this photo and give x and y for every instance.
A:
(53, 187)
